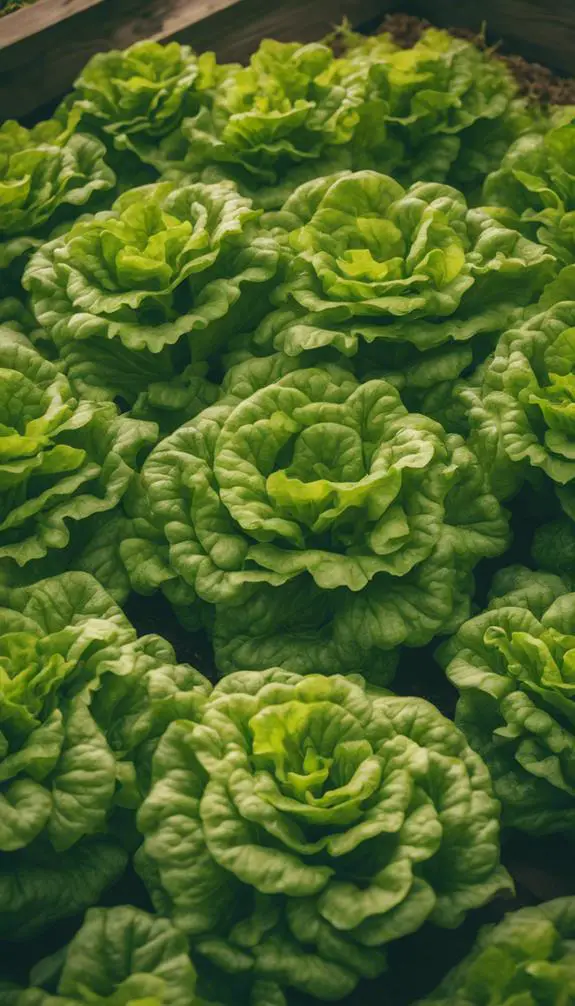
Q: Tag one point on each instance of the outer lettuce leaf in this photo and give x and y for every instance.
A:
(300, 475)
(39, 886)
(44, 170)
(15, 315)
(121, 957)
(155, 386)
(82, 704)
(527, 959)
(522, 414)
(62, 462)
(535, 186)
(303, 628)
(304, 824)
(166, 265)
(375, 264)
(513, 668)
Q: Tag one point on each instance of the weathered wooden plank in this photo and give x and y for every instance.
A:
(541, 30)
(43, 47)
(236, 31)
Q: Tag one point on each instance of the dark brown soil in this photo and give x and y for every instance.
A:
(535, 82)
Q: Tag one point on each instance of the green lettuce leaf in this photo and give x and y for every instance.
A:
(165, 266)
(282, 119)
(301, 475)
(522, 414)
(62, 462)
(372, 263)
(535, 186)
(83, 702)
(527, 960)
(119, 957)
(433, 96)
(141, 94)
(513, 666)
(44, 171)
(39, 886)
(302, 825)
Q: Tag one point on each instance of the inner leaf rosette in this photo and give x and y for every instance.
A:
(375, 263)
(514, 666)
(523, 414)
(535, 186)
(166, 265)
(63, 463)
(44, 171)
(82, 704)
(308, 477)
(304, 824)
(528, 958)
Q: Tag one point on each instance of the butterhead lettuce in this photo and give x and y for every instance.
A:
(435, 97)
(166, 265)
(120, 956)
(374, 263)
(82, 702)
(307, 476)
(512, 667)
(527, 958)
(522, 412)
(535, 187)
(63, 462)
(44, 171)
(140, 95)
(292, 114)
(300, 824)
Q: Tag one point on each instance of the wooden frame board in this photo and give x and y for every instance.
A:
(542, 31)
(43, 47)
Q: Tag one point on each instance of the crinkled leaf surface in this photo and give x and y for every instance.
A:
(302, 824)
(305, 476)
(62, 462)
(375, 263)
(513, 666)
(82, 704)
(526, 960)
(120, 957)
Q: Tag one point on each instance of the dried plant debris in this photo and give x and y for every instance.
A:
(536, 82)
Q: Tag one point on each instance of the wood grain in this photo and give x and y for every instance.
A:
(43, 47)
(541, 30)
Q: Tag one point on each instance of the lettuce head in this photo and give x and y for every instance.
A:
(120, 956)
(512, 666)
(375, 264)
(300, 824)
(138, 96)
(535, 188)
(527, 958)
(306, 477)
(290, 115)
(47, 175)
(83, 701)
(64, 463)
(437, 97)
(129, 295)
(522, 414)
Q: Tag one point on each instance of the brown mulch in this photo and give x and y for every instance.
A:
(535, 82)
